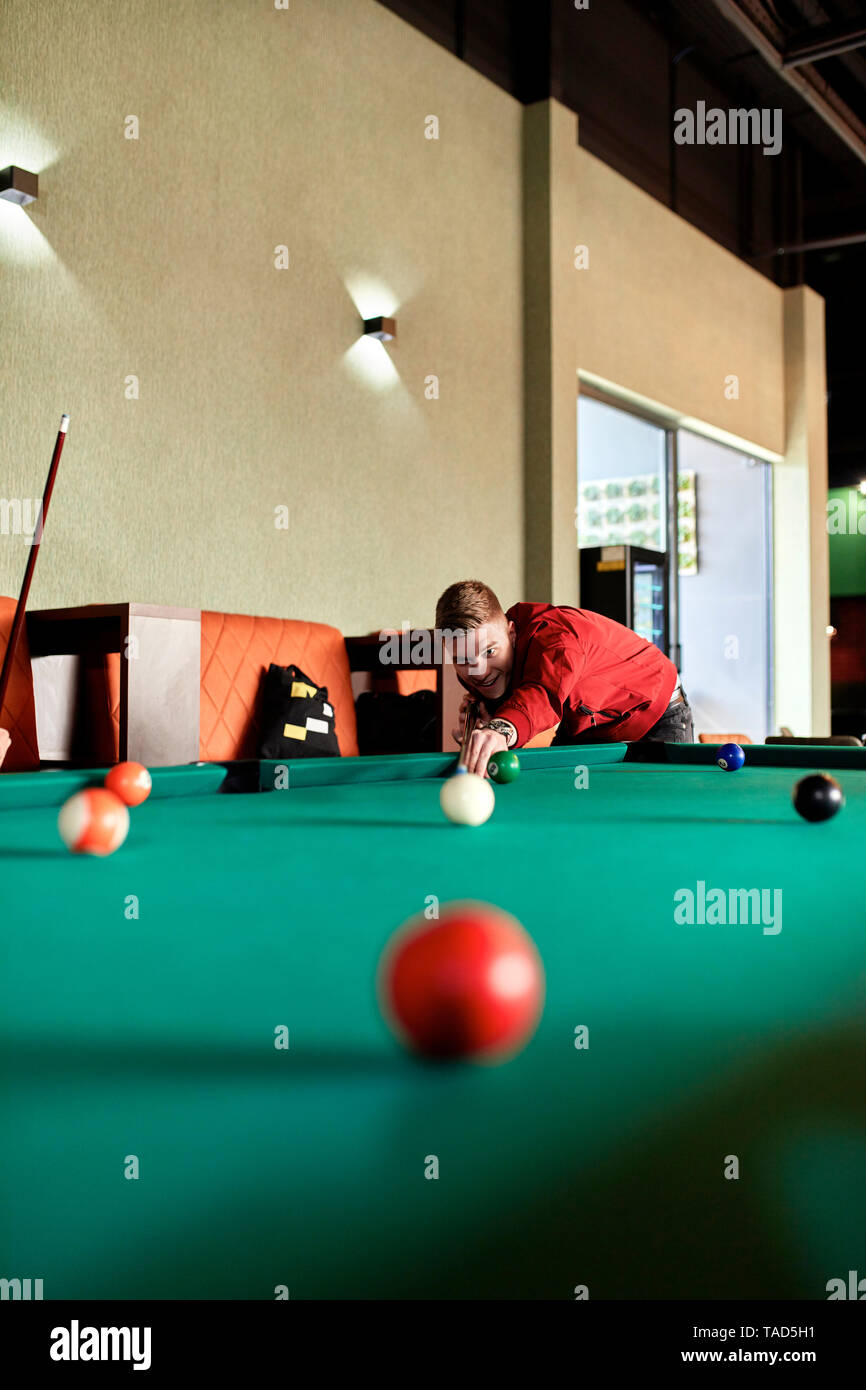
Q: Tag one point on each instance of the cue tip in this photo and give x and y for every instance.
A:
(64, 423)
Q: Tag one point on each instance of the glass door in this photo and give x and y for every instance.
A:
(725, 586)
(642, 484)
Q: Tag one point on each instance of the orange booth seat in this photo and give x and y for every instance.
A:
(543, 740)
(236, 650)
(406, 682)
(18, 715)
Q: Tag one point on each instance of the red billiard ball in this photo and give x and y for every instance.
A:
(94, 821)
(470, 984)
(130, 781)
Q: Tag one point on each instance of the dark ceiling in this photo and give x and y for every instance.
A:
(624, 67)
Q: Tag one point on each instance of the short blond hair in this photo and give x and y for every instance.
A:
(467, 604)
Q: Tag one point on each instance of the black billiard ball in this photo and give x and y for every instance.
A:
(818, 797)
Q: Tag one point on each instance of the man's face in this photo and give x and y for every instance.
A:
(489, 657)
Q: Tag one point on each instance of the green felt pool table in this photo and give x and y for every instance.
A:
(157, 1144)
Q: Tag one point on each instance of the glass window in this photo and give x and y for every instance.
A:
(620, 478)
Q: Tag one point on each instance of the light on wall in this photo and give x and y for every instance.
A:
(863, 487)
(18, 185)
(383, 329)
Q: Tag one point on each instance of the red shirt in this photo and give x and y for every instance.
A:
(593, 676)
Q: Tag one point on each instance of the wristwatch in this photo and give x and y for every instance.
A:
(502, 726)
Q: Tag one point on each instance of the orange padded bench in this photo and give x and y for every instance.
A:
(236, 650)
(18, 715)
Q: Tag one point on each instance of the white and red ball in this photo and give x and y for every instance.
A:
(93, 821)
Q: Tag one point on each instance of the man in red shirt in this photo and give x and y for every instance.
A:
(537, 666)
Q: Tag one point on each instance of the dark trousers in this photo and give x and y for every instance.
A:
(675, 726)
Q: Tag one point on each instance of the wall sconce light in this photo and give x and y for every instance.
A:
(383, 329)
(863, 488)
(18, 185)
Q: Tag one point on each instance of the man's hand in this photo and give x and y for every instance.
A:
(483, 743)
(5, 741)
(483, 714)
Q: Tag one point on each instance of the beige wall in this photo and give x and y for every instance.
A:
(670, 315)
(659, 314)
(801, 543)
(663, 317)
(552, 352)
(155, 257)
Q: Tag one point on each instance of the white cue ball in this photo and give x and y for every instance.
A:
(467, 799)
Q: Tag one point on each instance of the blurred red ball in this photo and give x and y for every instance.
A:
(130, 781)
(470, 984)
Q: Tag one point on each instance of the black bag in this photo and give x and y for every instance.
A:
(297, 719)
(390, 723)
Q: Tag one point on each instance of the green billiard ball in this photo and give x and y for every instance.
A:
(504, 766)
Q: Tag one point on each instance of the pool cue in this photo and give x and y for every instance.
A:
(469, 721)
(18, 620)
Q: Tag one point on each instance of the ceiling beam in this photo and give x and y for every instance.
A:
(826, 244)
(825, 41)
(808, 83)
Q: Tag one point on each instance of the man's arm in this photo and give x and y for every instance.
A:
(483, 743)
(550, 674)
(5, 742)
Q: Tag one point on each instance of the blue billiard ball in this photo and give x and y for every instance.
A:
(730, 756)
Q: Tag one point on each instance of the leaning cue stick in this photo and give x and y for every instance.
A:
(469, 721)
(18, 620)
